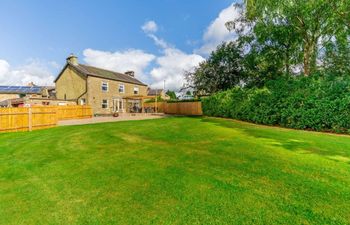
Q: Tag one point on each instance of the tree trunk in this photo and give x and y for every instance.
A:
(308, 49)
(309, 56)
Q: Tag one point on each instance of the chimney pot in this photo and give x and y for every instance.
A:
(31, 84)
(72, 59)
(130, 73)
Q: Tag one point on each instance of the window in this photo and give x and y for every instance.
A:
(136, 90)
(104, 86)
(104, 104)
(121, 88)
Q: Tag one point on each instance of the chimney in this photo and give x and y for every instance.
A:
(31, 84)
(130, 73)
(72, 59)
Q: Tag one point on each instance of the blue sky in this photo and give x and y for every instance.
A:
(36, 37)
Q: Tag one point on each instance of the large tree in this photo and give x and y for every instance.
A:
(221, 71)
(313, 22)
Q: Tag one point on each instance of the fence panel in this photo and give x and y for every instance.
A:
(74, 112)
(184, 108)
(39, 117)
(42, 117)
(14, 119)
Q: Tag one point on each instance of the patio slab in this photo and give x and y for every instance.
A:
(106, 119)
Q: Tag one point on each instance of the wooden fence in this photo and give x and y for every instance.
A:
(151, 107)
(184, 108)
(74, 112)
(39, 117)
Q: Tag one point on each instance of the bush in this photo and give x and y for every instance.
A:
(318, 102)
(183, 100)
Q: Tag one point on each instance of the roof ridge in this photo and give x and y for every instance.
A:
(102, 69)
(123, 76)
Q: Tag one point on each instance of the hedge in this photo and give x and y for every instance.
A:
(320, 103)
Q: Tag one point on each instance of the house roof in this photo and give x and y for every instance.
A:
(20, 89)
(154, 92)
(102, 73)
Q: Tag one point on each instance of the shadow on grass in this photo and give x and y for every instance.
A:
(292, 140)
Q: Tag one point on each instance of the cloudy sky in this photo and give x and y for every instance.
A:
(158, 39)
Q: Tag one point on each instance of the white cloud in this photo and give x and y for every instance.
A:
(150, 27)
(159, 42)
(216, 32)
(171, 67)
(120, 61)
(33, 71)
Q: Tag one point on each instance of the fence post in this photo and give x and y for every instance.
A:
(30, 125)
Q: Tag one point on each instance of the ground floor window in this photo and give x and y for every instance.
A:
(104, 104)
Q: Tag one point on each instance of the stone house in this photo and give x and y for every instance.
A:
(105, 91)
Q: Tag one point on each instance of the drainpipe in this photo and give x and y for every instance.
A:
(86, 87)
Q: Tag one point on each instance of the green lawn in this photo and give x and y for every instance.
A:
(174, 171)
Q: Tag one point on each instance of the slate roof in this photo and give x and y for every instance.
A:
(20, 89)
(102, 73)
(153, 92)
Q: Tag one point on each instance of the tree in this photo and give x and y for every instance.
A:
(171, 94)
(311, 21)
(221, 71)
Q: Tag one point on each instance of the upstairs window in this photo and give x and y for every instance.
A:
(104, 104)
(121, 88)
(104, 86)
(136, 90)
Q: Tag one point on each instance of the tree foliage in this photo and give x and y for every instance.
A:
(278, 38)
(221, 71)
(311, 25)
(171, 94)
(315, 102)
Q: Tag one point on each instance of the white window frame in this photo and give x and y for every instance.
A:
(136, 89)
(123, 89)
(104, 84)
(104, 104)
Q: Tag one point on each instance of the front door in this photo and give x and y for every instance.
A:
(118, 105)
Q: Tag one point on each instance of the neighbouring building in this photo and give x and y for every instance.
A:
(152, 93)
(19, 96)
(105, 91)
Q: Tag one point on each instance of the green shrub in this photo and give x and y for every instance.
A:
(320, 103)
(183, 100)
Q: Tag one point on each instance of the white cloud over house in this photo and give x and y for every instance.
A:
(120, 61)
(168, 65)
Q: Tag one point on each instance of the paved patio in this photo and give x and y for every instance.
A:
(110, 119)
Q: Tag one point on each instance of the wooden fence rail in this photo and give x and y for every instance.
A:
(184, 108)
(39, 117)
(179, 108)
